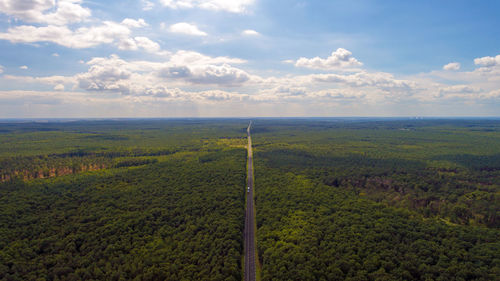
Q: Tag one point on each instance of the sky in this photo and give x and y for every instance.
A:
(245, 58)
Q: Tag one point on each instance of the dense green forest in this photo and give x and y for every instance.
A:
(336, 199)
(378, 200)
(150, 215)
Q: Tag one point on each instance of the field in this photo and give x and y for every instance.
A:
(336, 199)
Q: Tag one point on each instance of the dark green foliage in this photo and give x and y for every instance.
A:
(165, 216)
(135, 162)
(310, 231)
(451, 171)
(337, 199)
(317, 187)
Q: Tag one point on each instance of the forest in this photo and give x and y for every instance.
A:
(169, 209)
(378, 199)
(336, 199)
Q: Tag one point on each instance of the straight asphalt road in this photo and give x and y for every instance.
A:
(249, 217)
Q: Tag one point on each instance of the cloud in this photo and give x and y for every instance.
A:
(147, 44)
(59, 87)
(195, 58)
(58, 30)
(51, 12)
(188, 69)
(218, 96)
(50, 80)
(459, 89)
(134, 23)
(139, 42)
(186, 28)
(23, 67)
(84, 37)
(106, 75)
(452, 66)
(233, 6)
(494, 94)
(1, 69)
(340, 59)
(382, 80)
(55, 55)
(220, 75)
(250, 32)
(487, 61)
(147, 5)
(340, 95)
(141, 78)
(188, 76)
(183, 68)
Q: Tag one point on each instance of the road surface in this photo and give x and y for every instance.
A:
(249, 217)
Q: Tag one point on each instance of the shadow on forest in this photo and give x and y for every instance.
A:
(474, 162)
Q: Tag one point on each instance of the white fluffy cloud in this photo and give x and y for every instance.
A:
(23, 67)
(194, 70)
(58, 14)
(341, 59)
(186, 28)
(187, 76)
(250, 32)
(233, 6)
(52, 12)
(139, 42)
(134, 23)
(224, 75)
(452, 66)
(84, 37)
(488, 61)
(379, 80)
(106, 75)
(183, 57)
(183, 68)
(1, 69)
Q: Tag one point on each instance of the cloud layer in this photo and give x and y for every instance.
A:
(135, 62)
(192, 76)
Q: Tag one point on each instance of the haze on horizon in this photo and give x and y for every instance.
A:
(236, 58)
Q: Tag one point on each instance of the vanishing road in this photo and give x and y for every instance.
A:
(249, 217)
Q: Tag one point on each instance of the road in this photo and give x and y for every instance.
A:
(249, 217)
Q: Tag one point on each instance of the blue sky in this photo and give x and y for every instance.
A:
(213, 58)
